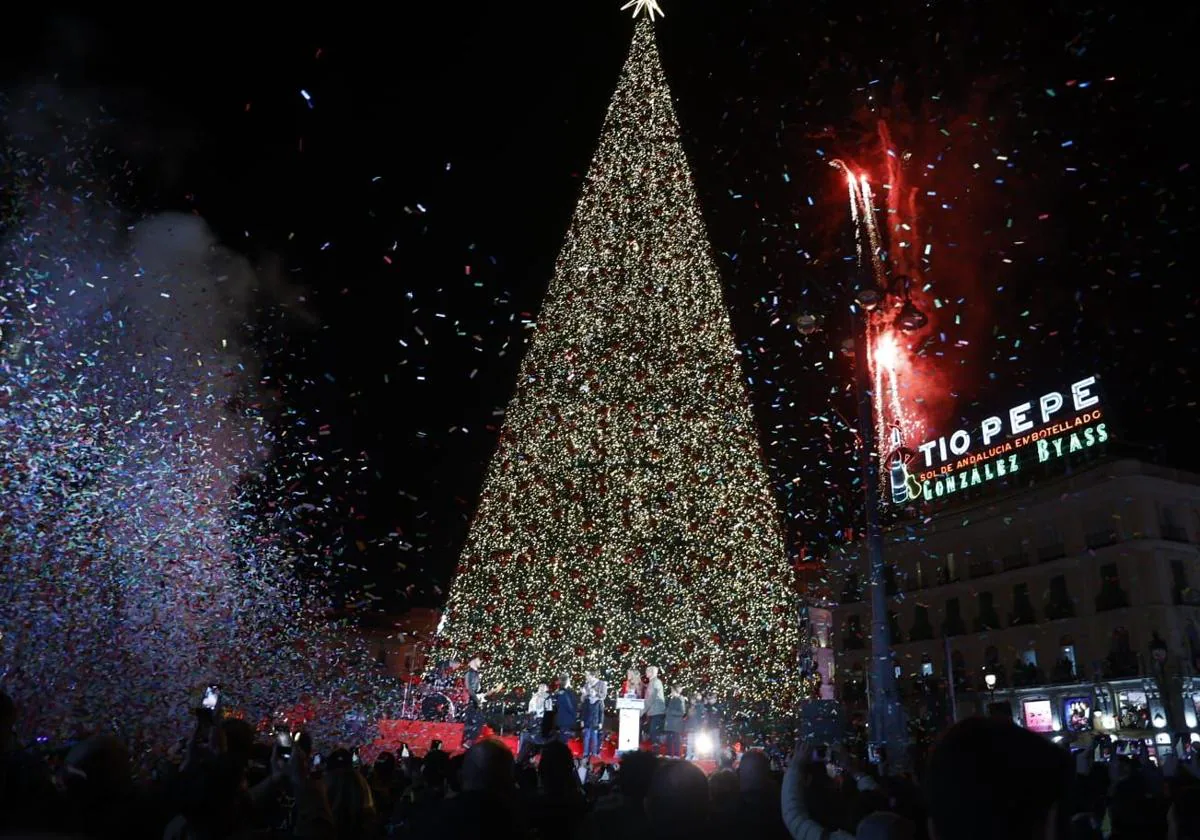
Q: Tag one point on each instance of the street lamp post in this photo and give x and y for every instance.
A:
(887, 720)
(888, 727)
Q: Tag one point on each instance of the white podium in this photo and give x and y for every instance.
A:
(629, 723)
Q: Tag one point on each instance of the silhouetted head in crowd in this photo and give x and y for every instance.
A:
(636, 774)
(350, 802)
(385, 766)
(1131, 809)
(100, 765)
(992, 780)
(488, 768)
(724, 791)
(556, 770)
(435, 769)
(1183, 820)
(211, 800)
(754, 772)
(454, 772)
(883, 825)
(678, 803)
(239, 737)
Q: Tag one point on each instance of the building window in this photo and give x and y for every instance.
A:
(854, 634)
(1112, 596)
(1022, 607)
(1066, 668)
(1169, 525)
(852, 590)
(1101, 530)
(1051, 545)
(1181, 590)
(958, 664)
(987, 619)
(948, 573)
(1122, 661)
(954, 624)
(993, 666)
(922, 629)
(1133, 710)
(1059, 604)
(854, 687)
(1026, 671)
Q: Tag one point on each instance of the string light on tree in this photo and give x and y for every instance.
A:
(627, 518)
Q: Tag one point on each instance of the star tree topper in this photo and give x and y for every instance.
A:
(650, 7)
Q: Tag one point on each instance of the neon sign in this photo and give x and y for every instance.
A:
(1060, 425)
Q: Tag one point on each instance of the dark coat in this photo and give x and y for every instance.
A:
(566, 709)
(676, 709)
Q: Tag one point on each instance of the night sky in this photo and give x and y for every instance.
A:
(413, 176)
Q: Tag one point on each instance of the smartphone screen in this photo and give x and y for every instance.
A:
(284, 739)
(404, 753)
(212, 695)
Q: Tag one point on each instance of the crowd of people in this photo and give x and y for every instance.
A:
(984, 780)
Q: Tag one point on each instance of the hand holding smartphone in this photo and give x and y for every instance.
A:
(209, 702)
(283, 739)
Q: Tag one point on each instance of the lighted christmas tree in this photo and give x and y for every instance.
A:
(627, 518)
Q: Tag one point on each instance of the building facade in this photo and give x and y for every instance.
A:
(1088, 580)
(401, 643)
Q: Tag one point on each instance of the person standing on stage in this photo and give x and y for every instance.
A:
(676, 710)
(633, 684)
(655, 710)
(595, 692)
(566, 710)
(474, 717)
(695, 724)
(531, 735)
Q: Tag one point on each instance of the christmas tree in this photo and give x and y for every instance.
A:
(627, 518)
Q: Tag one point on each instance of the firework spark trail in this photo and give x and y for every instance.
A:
(130, 415)
(886, 360)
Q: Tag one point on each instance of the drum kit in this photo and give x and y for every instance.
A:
(441, 697)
